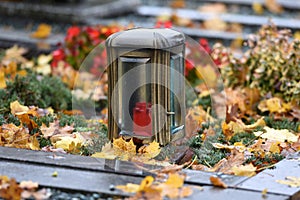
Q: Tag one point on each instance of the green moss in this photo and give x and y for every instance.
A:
(75, 120)
(245, 137)
(282, 123)
(41, 91)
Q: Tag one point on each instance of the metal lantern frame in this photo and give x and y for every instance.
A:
(161, 51)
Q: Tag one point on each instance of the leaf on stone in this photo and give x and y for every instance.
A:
(244, 170)
(213, 8)
(217, 181)
(216, 24)
(43, 31)
(273, 6)
(282, 135)
(291, 181)
(257, 8)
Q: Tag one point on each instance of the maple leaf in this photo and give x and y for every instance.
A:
(68, 142)
(43, 31)
(282, 135)
(121, 146)
(217, 181)
(150, 151)
(274, 105)
(244, 170)
(290, 181)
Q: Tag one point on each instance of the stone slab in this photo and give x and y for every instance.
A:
(267, 178)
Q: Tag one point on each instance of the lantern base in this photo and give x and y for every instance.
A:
(129, 134)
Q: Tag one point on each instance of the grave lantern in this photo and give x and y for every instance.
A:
(146, 95)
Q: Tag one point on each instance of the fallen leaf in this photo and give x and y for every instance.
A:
(2, 80)
(107, 152)
(17, 109)
(43, 31)
(150, 151)
(264, 193)
(177, 4)
(273, 6)
(257, 8)
(216, 181)
(274, 105)
(175, 180)
(54, 174)
(291, 181)
(28, 185)
(213, 8)
(215, 24)
(282, 135)
(244, 170)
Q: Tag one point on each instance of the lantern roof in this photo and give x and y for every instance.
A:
(154, 38)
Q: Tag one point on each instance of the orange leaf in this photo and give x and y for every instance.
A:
(216, 181)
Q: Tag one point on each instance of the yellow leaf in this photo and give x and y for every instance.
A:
(216, 24)
(18, 109)
(2, 80)
(43, 31)
(54, 174)
(129, 187)
(208, 74)
(175, 180)
(107, 152)
(150, 151)
(274, 148)
(274, 105)
(121, 146)
(282, 135)
(244, 170)
(257, 8)
(264, 192)
(34, 143)
(70, 142)
(146, 183)
(290, 181)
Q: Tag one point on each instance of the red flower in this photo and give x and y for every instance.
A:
(189, 65)
(204, 43)
(72, 32)
(166, 24)
(58, 55)
(93, 33)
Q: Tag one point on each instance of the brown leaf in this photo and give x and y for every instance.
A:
(216, 181)
(273, 6)
(213, 8)
(177, 4)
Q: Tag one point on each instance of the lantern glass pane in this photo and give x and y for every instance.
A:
(134, 97)
(177, 92)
